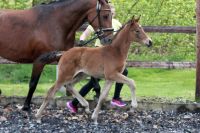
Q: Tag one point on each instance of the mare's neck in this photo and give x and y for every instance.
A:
(121, 42)
(69, 14)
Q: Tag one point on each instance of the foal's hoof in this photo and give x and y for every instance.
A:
(38, 120)
(38, 115)
(134, 104)
(131, 111)
(95, 120)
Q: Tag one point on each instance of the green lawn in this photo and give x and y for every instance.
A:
(167, 83)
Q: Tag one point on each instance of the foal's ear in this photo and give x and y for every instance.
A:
(133, 20)
(137, 19)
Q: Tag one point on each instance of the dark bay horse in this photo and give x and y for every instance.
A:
(104, 62)
(27, 34)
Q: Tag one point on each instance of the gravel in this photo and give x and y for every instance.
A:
(60, 120)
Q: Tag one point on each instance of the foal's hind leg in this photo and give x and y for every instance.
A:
(48, 97)
(35, 76)
(80, 98)
(83, 102)
(102, 97)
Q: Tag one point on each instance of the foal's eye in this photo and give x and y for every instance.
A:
(137, 31)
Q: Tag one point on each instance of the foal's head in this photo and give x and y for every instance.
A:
(137, 33)
(100, 17)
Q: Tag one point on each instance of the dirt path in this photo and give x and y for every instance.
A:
(13, 120)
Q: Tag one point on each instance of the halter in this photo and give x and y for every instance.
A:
(100, 31)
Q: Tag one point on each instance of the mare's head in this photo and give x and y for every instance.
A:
(137, 34)
(100, 17)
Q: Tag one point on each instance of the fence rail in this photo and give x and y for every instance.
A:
(141, 64)
(170, 29)
(161, 29)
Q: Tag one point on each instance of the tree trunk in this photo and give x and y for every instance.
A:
(197, 95)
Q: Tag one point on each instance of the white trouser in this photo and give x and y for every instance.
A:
(62, 88)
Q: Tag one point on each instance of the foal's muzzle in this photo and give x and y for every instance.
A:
(148, 42)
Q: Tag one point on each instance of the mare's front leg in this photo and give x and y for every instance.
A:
(102, 97)
(35, 76)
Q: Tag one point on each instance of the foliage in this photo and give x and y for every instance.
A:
(169, 47)
(15, 4)
(154, 12)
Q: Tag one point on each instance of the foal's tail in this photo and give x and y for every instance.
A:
(50, 57)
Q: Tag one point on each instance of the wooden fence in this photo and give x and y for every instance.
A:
(141, 64)
(147, 64)
(163, 29)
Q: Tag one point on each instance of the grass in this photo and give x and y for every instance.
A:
(167, 83)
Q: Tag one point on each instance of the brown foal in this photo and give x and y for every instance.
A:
(104, 62)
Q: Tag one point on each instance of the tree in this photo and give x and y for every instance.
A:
(197, 96)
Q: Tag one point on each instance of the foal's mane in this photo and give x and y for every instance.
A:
(57, 2)
(121, 29)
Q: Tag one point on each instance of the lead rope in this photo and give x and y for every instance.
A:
(96, 36)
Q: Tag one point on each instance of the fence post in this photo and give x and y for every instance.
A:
(197, 94)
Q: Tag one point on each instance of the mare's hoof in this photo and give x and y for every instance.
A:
(26, 108)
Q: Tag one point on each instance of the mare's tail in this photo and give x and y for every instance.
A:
(50, 57)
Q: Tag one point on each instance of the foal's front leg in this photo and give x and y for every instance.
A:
(102, 97)
(119, 78)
